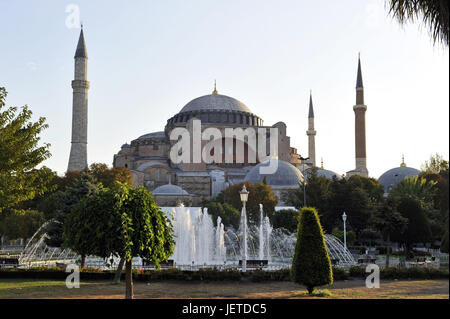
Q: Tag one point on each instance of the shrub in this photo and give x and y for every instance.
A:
(311, 265)
(402, 273)
(340, 274)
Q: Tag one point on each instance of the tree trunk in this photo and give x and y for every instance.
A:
(83, 261)
(119, 271)
(388, 247)
(310, 289)
(128, 280)
(406, 252)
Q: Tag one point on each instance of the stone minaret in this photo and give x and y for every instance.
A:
(311, 133)
(80, 85)
(360, 126)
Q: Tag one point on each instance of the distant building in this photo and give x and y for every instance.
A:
(148, 156)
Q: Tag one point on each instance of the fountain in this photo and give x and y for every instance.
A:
(37, 253)
(198, 242)
(201, 244)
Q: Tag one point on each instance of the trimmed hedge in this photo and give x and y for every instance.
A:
(403, 273)
(206, 274)
(212, 274)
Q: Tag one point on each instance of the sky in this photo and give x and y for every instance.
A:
(147, 59)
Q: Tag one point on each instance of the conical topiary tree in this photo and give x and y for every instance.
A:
(311, 265)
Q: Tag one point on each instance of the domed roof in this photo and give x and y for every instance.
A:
(395, 175)
(286, 175)
(328, 174)
(169, 189)
(215, 102)
(153, 135)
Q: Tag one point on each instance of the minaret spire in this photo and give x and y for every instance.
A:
(311, 133)
(359, 84)
(80, 85)
(81, 51)
(311, 110)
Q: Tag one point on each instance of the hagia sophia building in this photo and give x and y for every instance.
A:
(148, 156)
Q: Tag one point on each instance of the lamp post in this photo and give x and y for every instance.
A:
(344, 218)
(244, 198)
(305, 162)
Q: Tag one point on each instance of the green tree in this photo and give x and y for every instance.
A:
(389, 221)
(433, 14)
(347, 197)
(350, 235)
(311, 265)
(125, 223)
(435, 165)
(259, 193)
(317, 192)
(286, 218)
(21, 224)
(417, 187)
(61, 205)
(109, 176)
(20, 154)
(418, 228)
(230, 216)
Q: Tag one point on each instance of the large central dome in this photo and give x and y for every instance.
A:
(215, 109)
(215, 102)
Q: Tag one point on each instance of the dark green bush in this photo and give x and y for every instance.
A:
(402, 273)
(340, 274)
(311, 265)
(275, 275)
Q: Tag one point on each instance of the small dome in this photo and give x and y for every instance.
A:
(215, 102)
(169, 189)
(394, 176)
(286, 175)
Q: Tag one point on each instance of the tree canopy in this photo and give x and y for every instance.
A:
(259, 193)
(20, 154)
(121, 222)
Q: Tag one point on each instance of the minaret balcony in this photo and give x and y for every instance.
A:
(361, 107)
(77, 84)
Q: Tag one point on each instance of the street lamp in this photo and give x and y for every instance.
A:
(305, 162)
(244, 198)
(344, 218)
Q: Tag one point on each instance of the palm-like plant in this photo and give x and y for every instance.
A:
(433, 13)
(415, 186)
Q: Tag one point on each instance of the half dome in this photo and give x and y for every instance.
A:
(169, 189)
(286, 174)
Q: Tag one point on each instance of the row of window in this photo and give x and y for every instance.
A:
(219, 117)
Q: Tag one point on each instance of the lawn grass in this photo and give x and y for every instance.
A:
(350, 289)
